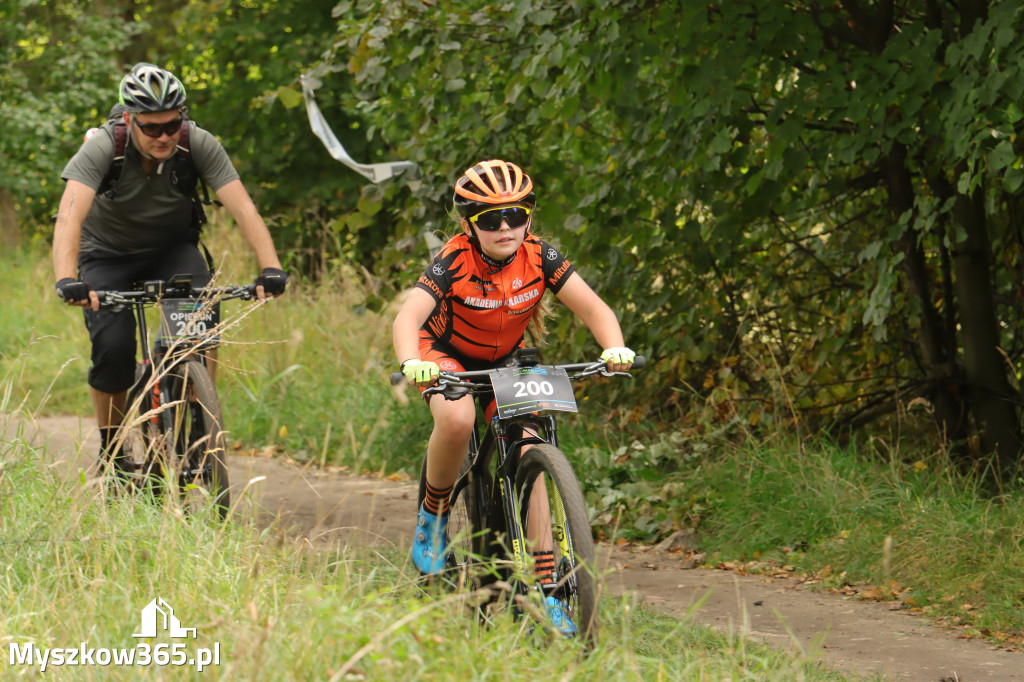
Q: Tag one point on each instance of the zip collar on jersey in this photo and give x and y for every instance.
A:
(495, 265)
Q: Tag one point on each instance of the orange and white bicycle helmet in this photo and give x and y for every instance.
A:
(492, 183)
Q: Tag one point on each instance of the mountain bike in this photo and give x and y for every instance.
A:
(172, 434)
(511, 457)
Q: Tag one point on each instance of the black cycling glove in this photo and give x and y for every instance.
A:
(71, 290)
(273, 280)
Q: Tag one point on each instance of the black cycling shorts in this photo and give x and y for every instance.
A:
(113, 333)
(450, 360)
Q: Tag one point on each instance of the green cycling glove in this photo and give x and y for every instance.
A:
(618, 356)
(419, 371)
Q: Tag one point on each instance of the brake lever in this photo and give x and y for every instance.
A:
(592, 370)
(606, 373)
(439, 386)
(114, 304)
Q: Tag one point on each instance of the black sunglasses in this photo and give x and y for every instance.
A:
(490, 220)
(158, 129)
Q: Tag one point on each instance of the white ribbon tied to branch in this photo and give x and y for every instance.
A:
(375, 172)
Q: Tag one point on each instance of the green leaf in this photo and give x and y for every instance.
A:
(1012, 180)
(555, 56)
(368, 207)
(722, 142)
(289, 97)
(870, 252)
(542, 17)
(1002, 155)
(357, 221)
(574, 222)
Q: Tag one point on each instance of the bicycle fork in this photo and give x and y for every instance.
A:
(511, 508)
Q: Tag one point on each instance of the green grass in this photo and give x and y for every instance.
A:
(898, 530)
(79, 568)
(44, 349)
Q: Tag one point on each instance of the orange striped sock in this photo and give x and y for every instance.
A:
(436, 501)
(544, 566)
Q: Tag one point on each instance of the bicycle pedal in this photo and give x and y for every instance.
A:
(560, 591)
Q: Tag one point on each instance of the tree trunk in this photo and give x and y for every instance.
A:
(941, 369)
(988, 388)
(10, 233)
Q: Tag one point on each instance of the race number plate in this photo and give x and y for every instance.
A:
(187, 317)
(522, 390)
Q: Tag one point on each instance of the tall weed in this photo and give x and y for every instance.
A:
(77, 569)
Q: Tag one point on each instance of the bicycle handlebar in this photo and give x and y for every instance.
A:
(113, 298)
(582, 369)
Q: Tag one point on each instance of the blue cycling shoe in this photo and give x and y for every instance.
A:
(560, 620)
(430, 544)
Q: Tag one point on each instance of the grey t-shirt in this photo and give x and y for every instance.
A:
(147, 213)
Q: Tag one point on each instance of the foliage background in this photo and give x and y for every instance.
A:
(806, 214)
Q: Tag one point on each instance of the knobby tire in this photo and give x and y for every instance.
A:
(575, 565)
(195, 428)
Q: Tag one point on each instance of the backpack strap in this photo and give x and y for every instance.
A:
(185, 152)
(118, 130)
(198, 213)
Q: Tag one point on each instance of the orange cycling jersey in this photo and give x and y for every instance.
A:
(483, 307)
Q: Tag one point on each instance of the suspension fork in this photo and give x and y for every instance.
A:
(508, 461)
(547, 431)
(151, 395)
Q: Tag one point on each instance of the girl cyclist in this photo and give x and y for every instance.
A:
(469, 311)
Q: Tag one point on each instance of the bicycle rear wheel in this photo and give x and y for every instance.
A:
(575, 566)
(192, 426)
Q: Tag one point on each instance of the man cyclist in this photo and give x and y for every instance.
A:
(144, 228)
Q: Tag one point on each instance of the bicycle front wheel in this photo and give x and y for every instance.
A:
(545, 468)
(194, 427)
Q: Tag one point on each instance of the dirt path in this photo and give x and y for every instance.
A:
(855, 636)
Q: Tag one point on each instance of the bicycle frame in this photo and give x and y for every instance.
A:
(495, 443)
(172, 371)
